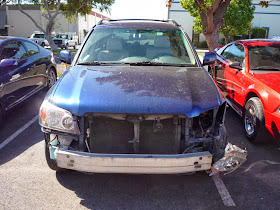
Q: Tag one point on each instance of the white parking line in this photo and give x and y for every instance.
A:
(14, 135)
(227, 200)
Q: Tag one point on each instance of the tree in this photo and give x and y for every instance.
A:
(237, 18)
(211, 13)
(69, 8)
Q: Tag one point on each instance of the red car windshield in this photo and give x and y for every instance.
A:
(265, 57)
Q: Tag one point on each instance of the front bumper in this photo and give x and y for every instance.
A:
(134, 163)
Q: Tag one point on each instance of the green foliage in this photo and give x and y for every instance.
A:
(238, 17)
(258, 33)
(203, 44)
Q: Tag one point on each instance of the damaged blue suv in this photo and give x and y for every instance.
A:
(135, 99)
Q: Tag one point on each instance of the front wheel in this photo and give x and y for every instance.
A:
(254, 121)
(51, 78)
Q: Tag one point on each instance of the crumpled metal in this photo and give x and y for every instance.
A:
(234, 157)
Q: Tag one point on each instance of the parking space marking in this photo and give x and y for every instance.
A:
(19, 131)
(227, 200)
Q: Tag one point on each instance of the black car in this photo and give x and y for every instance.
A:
(25, 68)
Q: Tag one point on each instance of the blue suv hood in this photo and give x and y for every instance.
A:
(136, 89)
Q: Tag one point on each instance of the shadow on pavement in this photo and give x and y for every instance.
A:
(124, 191)
(16, 119)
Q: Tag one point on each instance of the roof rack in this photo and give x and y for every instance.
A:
(113, 20)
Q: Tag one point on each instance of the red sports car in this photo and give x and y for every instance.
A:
(248, 72)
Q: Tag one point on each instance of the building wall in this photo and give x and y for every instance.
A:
(19, 24)
(268, 17)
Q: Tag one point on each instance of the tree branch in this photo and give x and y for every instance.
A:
(47, 8)
(22, 11)
(216, 5)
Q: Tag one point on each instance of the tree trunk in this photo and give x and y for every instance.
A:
(226, 38)
(48, 34)
(212, 40)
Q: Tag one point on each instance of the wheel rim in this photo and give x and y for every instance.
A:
(250, 120)
(51, 78)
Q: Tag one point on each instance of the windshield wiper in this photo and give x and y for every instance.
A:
(150, 63)
(93, 63)
(266, 68)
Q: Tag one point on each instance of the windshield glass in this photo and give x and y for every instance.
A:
(137, 46)
(38, 36)
(61, 36)
(266, 57)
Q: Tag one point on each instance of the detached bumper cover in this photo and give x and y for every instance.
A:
(134, 163)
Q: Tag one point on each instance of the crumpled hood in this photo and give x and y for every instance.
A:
(136, 89)
(272, 80)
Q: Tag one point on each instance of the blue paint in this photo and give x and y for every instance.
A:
(134, 89)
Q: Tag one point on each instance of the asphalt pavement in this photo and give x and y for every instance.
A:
(27, 182)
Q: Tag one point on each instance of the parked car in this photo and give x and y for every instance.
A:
(248, 72)
(25, 68)
(135, 99)
(66, 40)
(39, 38)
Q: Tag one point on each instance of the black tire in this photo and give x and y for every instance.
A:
(43, 45)
(254, 120)
(52, 78)
(74, 47)
(51, 163)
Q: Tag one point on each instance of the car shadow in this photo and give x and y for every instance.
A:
(14, 120)
(124, 191)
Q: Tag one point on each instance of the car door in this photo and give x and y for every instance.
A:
(37, 76)
(230, 78)
(14, 84)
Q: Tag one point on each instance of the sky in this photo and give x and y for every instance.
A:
(138, 9)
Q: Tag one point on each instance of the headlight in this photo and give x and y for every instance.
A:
(53, 117)
(278, 110)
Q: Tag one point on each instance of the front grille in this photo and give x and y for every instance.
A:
(58, 41)
(108, 135)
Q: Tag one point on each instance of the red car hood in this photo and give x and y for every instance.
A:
(272, 80)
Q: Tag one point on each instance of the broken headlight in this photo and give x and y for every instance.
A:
(53, 117)
(206, 119)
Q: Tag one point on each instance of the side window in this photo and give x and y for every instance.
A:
(234, 52)
(13, 50)
(31, 48)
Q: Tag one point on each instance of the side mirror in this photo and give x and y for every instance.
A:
(8, 62)
(65, 56)
(209, 58)
(235, 65)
